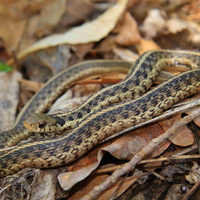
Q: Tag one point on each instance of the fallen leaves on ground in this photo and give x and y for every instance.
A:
(89, 32)
(47, 36)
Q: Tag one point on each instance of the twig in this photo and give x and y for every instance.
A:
(136, 177)
(147, 161)
(94, 193)
(14, 56)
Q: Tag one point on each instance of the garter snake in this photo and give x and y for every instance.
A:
(139, 79)
(53, 88)
(106, 121)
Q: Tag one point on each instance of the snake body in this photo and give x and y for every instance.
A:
(52, 89)
(141, 76)
(99, 124)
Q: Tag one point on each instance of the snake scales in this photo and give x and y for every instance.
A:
(52, 89)
(103, 121)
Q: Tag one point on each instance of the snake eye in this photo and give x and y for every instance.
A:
(42, 124)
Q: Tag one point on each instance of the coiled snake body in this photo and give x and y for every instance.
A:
(94, 126)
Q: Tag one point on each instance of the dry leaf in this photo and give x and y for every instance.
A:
(129, 33)
(146, 45)
(125, 54)
(49, 16)
(96, 180)
(82, 49)
(183, 136)
(175, 25)
(153, 24)
(32, 86)
(41, 16)
(68, 179)
(78, 11)
(129, 144)
(89, 32)
(194, 30)
(6, 32)
(194, 174)
(9, 97)
(106, 45)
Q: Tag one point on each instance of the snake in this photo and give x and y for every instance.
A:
(105, 121)
(52, 89)
(141, 76)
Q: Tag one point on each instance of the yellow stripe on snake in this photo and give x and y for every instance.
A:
(97, 119)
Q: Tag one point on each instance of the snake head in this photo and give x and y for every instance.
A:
(39, 123)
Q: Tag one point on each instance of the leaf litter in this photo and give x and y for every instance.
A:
(160, 26)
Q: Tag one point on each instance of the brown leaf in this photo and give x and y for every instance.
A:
(153, 24)
(81, 34)
(6, 32)
(129, 33)
(82, 49)
(32, 86)
(175, 25)
(125, 54)
(44, 16)
(96, 180)
(184, 136)
(129, 144)
(193, 175)
(146, 45)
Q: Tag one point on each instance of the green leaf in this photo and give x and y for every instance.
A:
(6, 68)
